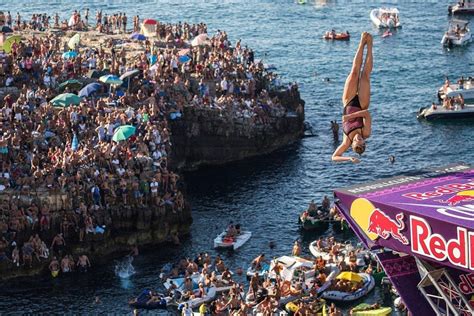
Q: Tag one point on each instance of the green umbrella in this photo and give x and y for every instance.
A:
(71, 83)
(66, 99)
(123, 132)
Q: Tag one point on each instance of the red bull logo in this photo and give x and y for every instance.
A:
(383, 226)
(439, 191)
(463, 196)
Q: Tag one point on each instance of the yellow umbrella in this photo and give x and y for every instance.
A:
(74, 41)
(349, 276)
(8, 43)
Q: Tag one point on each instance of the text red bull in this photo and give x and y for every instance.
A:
(440, 191)
(382, 225)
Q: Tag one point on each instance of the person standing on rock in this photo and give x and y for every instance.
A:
(356, 121)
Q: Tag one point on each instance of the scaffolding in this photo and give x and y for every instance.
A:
(441, 291)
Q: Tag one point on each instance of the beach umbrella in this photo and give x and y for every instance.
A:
(66, 99)
(130, 74)
(201, 39)
(8, 43)
(6, 29)
(184, 59)
(150, 22)
(111, 79)
(74, 41)
(349, 276)
(69, 55)
(71, 84)
(75, 143)
(90, 89)
(94, 74)
(123, 132)
(138, 37)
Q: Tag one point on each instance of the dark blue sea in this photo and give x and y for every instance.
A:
(266, 194)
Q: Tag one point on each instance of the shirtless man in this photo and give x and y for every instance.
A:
(83, 263)
(54, 267)
(58, 244)
(257, 262)
(65, 265)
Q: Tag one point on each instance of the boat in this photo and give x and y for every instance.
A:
(367, 281)
(224, 241)
(439, 113)
(319, 222)
(261, 273)
(142, 301)
(462, 7)
(314, 304)
(337, 36)
(179, 282)
(344, 252)
(365, 309)
(292, 266)
(458, 33)
(466, 89)
(385, 17)
(197, 301)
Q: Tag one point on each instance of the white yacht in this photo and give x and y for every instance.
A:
(462, 7)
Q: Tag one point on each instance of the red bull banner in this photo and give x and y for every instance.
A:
(429, 215)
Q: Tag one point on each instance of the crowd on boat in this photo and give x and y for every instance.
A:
(104, 143)
(297, 285)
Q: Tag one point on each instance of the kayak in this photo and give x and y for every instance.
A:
(316, 304)
(363, 310)
(234, 243)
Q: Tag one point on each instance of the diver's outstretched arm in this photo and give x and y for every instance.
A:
(341, 149)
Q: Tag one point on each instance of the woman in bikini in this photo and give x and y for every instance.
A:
(356, 121)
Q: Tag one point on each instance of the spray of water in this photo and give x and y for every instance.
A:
(124, 268)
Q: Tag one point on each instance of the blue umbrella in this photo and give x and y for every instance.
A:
(152, 59)
(70, 54)
(184, 59)
(75, 143)
(90, 89)
(138, 37)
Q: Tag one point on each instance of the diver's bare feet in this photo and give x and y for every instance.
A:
(369, 39)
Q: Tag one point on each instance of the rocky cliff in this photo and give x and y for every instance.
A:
(207, 137)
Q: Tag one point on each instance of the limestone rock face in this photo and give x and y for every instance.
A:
(207, 137)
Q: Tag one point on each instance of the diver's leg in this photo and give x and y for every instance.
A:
(352, 81)
(364, 85)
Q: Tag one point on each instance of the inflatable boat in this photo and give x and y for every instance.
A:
(147, 300)
(368, 284)
(197, 301)
(261, 273)
(365, 309)
(325, 254)
(385, 17)
(223, 241)
(337, 36)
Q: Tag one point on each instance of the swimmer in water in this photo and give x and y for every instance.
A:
(356, 121)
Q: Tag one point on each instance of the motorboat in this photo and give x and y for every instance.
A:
(462, 7)
(439, 112)
(365, 281)
(235, 242)
(464, 88)
(458, 33)
(385, 17)
(344, 36)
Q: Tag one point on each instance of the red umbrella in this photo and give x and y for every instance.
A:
(149, 22)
